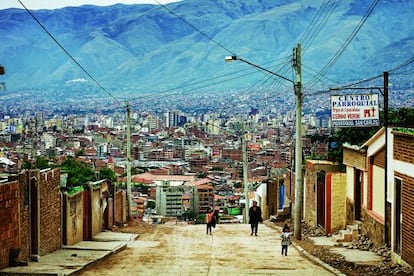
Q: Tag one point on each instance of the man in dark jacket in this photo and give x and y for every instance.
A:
(255, 216)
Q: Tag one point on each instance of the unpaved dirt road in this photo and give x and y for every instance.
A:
(181, 249)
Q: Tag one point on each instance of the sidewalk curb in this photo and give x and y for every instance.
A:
(110, 253)
(307, 254)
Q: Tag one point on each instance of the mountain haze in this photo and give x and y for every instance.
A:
(137, 49)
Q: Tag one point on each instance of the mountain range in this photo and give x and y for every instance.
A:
(137, 49)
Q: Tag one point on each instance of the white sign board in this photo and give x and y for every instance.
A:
(355, 110)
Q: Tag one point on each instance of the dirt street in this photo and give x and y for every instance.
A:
(181, 249)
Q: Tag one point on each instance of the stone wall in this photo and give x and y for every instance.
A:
(372, 228)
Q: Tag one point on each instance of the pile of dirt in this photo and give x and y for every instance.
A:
(134, 227)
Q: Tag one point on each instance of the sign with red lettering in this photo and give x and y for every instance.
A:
(355, 110)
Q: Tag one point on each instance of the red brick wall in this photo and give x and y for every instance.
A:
(50, 211)
(404, 151)
(408, 218)
(379, 159)
(24, 217)
(9, 218)
(403, 147)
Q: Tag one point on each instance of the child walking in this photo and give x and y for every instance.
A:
(286, 239)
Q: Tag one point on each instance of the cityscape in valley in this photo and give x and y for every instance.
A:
(77, 158)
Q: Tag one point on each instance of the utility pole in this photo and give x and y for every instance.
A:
(245, 178)
(298, 146)
(128, 121)
(385, 94)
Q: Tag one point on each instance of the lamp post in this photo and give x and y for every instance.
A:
(298, 136)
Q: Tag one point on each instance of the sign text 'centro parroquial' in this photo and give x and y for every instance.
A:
(355, 110)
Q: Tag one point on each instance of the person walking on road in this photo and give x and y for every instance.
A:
(209, 221)
(286, 239)
(255, 216)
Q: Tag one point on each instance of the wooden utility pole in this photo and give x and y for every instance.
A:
(129, 193)
(298, 146)
(245, 178)
(385, 94)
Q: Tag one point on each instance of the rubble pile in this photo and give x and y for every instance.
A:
(387, 267)
(311, 231)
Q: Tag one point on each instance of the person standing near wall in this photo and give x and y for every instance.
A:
(209, 221)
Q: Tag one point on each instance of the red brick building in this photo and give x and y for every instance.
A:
(30, 213)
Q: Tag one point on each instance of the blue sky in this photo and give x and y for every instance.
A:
(56, 4)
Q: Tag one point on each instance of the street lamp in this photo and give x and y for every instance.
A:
(298, 145)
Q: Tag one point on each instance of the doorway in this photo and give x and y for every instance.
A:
(398, 216)
(320, 198)
(357, 194)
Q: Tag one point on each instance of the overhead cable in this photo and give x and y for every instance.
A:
(344, 46)
(67, 52)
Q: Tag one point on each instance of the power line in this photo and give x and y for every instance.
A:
(194, 27)
(67, 52)
(341, 50)
(315, 31)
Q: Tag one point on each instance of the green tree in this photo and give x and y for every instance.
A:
(42, 163)
(107, 173)
(39, 163)
(79, 173)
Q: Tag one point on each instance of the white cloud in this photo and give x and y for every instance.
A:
(56, 4)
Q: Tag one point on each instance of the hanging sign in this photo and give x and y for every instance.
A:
(355, 110)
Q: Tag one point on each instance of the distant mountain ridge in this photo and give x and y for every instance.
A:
(148, 48)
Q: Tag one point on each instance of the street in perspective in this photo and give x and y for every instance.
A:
(183, 249)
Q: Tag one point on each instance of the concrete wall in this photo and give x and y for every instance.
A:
(378, 190)
(9, 220)
(73, 206)
(120, 214)
(96, 211)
